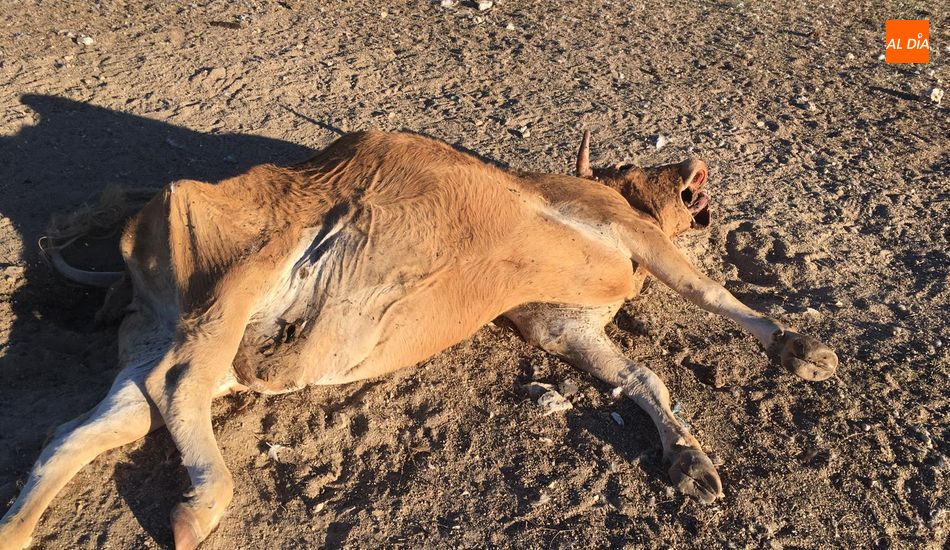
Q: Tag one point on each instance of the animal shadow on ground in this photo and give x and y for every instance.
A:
(72, 152)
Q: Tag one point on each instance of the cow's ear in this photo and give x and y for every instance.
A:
(694, 173)
(583, 169)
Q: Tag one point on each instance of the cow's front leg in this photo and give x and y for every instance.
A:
(182, 387)
(805, 356)
(576, 335)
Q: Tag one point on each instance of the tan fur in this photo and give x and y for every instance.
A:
(379, 252)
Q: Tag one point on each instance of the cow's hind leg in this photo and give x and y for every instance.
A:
(124, 416)
(576, 334)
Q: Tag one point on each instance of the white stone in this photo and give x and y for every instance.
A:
(936, 95)
(617, 418)
(552, 402)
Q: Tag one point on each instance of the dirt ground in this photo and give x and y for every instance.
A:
(831, 184)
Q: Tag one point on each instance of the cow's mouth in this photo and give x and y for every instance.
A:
(697, 203)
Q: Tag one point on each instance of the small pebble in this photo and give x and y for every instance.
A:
(568, 387)
(850, 56)
(804, 103)
(448, 3)
(536, 389)
(523, 132)
(552, 402)
(661, 141)
(485, 5)
(617, 418)
(812, 313)
(936, 95)
(88, 41)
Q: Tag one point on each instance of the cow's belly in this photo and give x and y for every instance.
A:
(375, 331)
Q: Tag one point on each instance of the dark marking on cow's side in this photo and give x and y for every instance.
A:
(174, 376)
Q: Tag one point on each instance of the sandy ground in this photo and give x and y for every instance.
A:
(831, 180)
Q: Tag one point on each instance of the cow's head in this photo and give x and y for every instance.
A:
(672, 194)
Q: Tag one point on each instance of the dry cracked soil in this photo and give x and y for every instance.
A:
(830, 175)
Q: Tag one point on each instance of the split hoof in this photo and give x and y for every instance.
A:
(806, 357)
(694, 474)
(187, 528)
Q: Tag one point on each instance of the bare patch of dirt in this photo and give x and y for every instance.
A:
(830, 214)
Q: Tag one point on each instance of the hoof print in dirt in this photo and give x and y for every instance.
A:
(694, 474)
(805, 356)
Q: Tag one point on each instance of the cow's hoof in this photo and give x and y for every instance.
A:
(186, 528)
(805, 356)
(694, 474)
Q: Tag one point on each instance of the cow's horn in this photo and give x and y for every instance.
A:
(100, 279)
(583, 158)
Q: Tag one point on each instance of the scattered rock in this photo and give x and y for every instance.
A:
(536, 389)
(552, 402)
(803, 102)
(617, 418)
(568, 387)
(510, 27)
(661, 141)
(485, 5)
(448, 3)
(523, 132)
(850, 56)
(936, 95)
(812, 314)
(84, 40)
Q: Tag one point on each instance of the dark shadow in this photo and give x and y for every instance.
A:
(70, 154)
(152, 482)
(895, 93)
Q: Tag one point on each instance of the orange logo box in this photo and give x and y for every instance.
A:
(907, 41)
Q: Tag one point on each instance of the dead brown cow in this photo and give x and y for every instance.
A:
(379, 252)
